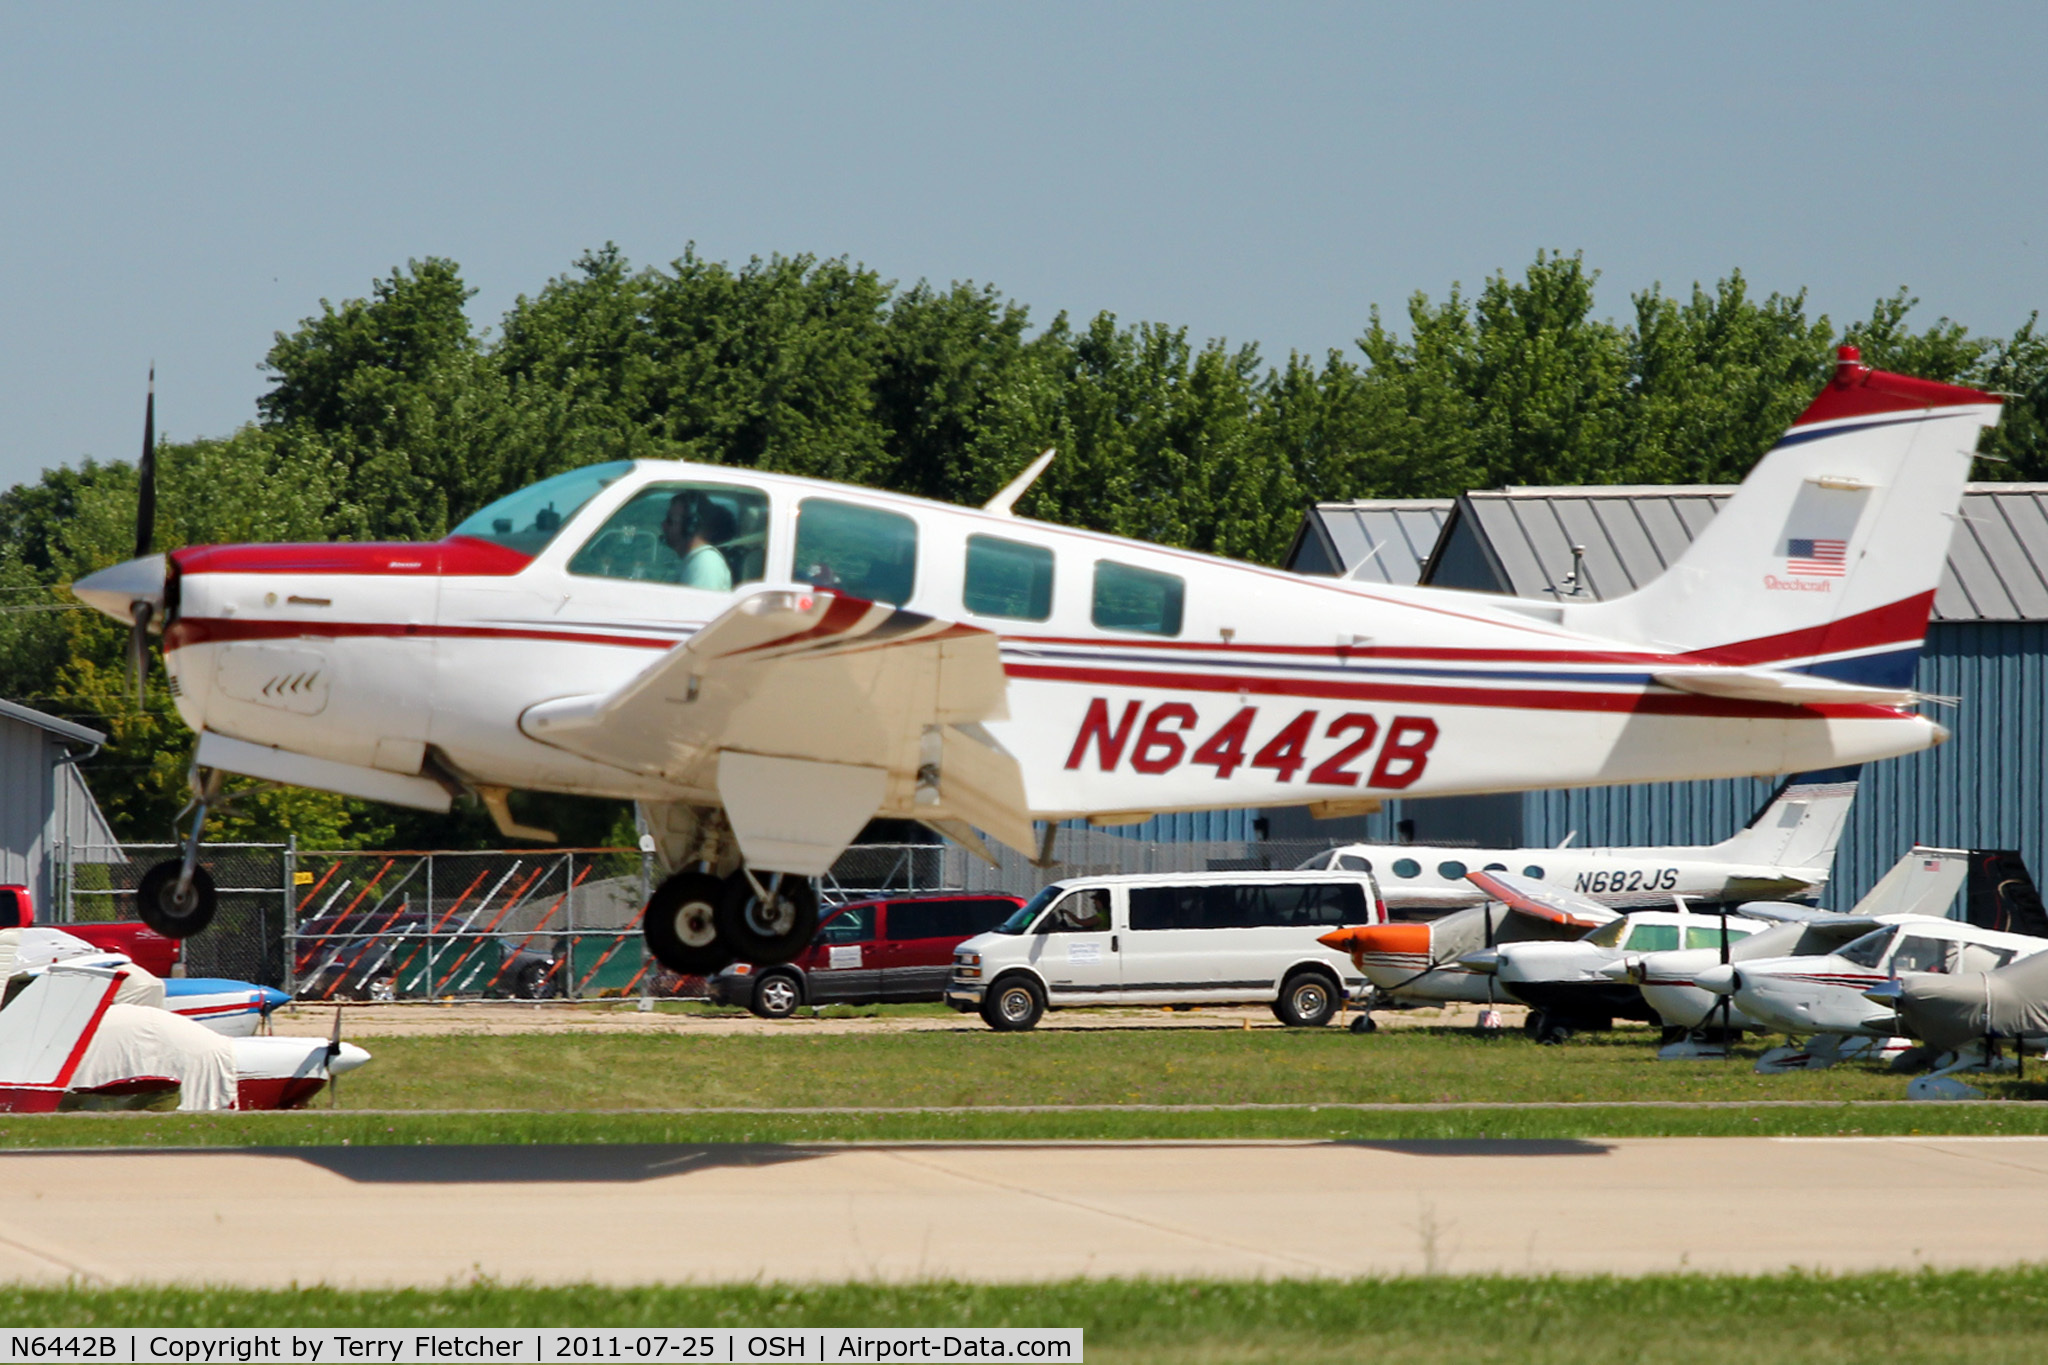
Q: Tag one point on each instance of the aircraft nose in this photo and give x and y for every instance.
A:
(269, 998)
(1887, 993)
(1721, 979)
(1623, 969)
(116, 590)
(1485, 962)
(348, 1059)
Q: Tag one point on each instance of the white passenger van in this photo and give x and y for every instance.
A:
(1199, 938)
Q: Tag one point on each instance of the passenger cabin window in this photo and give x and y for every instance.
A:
(861, 551)
(1008, 578)
(1137, 599)
(848, 926)
(1404, 868)
(712, 536)
(528, 520)
(945, 919)
(1248, 906)
(1081, 912)
(1653, 938)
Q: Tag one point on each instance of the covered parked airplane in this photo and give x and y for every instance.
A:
(764, 663)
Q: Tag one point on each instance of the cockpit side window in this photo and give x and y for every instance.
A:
(866, 552)
(696, 535)
(1128, 598)
(1008, 578)
(528, 520)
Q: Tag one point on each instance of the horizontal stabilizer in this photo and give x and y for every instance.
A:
(1778, 685)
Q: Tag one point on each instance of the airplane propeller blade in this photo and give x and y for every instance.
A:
(333, 1051)
(145, 537)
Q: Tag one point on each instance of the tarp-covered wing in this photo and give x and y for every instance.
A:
(808, 713)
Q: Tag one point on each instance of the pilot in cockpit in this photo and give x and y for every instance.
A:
(694, 528)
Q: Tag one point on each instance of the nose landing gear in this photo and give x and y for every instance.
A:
(176, 897)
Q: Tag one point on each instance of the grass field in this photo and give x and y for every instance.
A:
(1952, 1316)
(1092, 1085)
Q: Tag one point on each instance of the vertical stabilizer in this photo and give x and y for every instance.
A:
(1924, 882)
(1826, 559)
(1801, 823)
(45, 1027)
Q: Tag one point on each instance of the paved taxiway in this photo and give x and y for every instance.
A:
(429, 1215)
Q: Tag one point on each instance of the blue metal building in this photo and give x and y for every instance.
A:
(1987, 647)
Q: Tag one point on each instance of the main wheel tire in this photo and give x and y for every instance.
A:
(1013, 1005)
(773, 930)
(1554, 1033)
(1364, 1023)
(1537, 1021)
(1307, 1000)
(681, 925)
(777, 995)
(162, 909)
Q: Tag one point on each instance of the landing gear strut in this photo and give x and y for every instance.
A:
(176, 897)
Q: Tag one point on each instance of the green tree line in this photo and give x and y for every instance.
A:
(393, 416)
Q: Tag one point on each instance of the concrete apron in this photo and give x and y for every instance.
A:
(429, 1216)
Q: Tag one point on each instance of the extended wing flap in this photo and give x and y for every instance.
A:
(881, 702)
(1528, 896)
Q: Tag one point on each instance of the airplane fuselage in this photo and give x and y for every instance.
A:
(1140, 679)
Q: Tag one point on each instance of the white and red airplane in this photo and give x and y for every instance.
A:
(764, 662)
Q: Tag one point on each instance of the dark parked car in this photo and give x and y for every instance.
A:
(383, 955)
(899, 948)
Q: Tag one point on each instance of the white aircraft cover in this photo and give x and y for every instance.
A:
(134, 1041)
(1953, 1011)
(37, 947)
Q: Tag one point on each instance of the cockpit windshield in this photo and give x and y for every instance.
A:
(1868, 951)
(528, 520)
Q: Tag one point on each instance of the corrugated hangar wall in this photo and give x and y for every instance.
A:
(1982, 789)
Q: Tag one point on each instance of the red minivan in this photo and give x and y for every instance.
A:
(897, 948)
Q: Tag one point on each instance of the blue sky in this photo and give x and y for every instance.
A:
(181, 182)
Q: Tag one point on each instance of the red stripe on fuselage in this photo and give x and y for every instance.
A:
(459, 556)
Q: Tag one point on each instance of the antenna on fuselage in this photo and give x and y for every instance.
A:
(1002, 502)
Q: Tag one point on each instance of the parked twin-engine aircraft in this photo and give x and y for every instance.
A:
(1786, 850)
(764, 663)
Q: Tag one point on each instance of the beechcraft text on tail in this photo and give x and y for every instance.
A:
(766, 662)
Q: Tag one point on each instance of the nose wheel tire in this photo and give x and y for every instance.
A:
(768, 929)
(159, 905)
(1307, 1000)
(1013, 1006)
(1364, 1024)
(681, 925)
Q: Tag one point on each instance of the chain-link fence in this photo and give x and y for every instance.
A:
(538, 923)
(525, 925)
(246, 940)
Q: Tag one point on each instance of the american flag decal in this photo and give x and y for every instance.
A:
(1817, 558)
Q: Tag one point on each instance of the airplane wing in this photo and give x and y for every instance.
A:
(809, 712)
(1783, 912)
(1534, 898)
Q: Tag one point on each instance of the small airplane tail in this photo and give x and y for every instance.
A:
(47, 1023)
(1826, 559)
(1801, 823)
(2002, 894)
(1924, 882)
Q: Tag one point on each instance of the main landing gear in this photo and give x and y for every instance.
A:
(176, 897)
(697, 923)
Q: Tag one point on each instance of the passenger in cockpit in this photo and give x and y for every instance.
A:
(695, 527)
